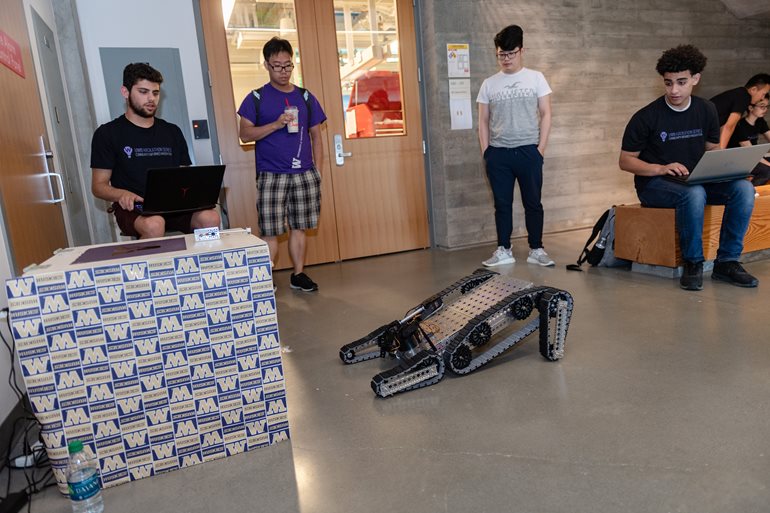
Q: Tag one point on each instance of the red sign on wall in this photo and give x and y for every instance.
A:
(10, 54)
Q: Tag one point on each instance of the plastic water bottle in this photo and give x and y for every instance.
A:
(602, 242)
(83, 481)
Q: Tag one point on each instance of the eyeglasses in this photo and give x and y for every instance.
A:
(756, 106)
(281, 67)
(507, 55)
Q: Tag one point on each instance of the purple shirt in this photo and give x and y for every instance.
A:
(282, 152)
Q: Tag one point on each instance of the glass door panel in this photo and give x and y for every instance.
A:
(249, 24)
(369, 67)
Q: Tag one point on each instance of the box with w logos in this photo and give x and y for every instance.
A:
(157, 354)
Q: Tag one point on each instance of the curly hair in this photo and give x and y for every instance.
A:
(137, 71)
(681, 58)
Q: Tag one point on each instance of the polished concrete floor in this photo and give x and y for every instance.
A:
(661, 404)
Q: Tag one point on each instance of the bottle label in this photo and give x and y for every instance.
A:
(85, 489)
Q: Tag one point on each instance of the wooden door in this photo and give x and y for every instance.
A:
(379, 191)
(240, 174)
(375, 202)
(34, 221)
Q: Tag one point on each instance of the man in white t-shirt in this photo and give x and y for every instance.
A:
(514, 124)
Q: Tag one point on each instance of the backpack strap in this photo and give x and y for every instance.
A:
(257, 95)
(594, 232)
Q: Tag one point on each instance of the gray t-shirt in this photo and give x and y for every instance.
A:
(512, 99)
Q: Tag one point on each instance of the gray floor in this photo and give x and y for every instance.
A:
(659, 405)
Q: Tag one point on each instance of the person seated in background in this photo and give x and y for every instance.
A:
(747, 133)
(125, 148)
(731, 104)
(667, 138)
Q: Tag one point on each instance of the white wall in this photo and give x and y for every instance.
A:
(7, 398)
(150, 24)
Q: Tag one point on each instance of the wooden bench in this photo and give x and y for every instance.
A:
(649, 236)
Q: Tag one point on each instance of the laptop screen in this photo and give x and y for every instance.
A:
(182, 189)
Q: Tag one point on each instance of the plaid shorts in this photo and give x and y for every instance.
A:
(292, 197)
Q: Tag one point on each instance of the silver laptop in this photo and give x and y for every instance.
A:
(724, 165)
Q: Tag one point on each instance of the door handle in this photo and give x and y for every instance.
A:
(60, 185)
(339, 155)
(48, 154)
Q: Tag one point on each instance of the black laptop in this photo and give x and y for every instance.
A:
(172, 190)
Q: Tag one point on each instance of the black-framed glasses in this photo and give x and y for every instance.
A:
(507, 55)
(281, 67)
(757, 106)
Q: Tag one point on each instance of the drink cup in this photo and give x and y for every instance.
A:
(293, 126)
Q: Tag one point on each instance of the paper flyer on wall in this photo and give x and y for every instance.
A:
(460, 104)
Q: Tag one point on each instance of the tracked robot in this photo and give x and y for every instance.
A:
(462, 328)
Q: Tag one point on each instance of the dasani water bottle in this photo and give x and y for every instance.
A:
(83, 481)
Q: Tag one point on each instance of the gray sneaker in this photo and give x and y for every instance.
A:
(540, 257)
(499, 257)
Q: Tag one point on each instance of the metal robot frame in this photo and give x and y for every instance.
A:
(462, 328)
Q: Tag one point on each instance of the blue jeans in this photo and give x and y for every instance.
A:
(690, 201)
(504, 167)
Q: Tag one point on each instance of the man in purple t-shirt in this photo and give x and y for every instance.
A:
(287, 151)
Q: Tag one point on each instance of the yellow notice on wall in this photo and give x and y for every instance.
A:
(458, 60)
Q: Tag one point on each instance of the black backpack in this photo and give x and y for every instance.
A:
(602, 254)
(257, 95)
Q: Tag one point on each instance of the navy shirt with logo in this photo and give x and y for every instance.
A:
(130, 150)
(662, 135)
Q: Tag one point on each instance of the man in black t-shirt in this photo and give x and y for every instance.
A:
(125, 148)
(667, 138)
(747, 133)
(733, 103)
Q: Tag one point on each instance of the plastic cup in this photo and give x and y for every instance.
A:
(293, 126)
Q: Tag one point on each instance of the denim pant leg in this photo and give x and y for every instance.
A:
(689, 201)
(529, 173)
(501, 179)
(738, 198)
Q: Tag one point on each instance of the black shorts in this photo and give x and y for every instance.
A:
(760, 174)
(174, 222)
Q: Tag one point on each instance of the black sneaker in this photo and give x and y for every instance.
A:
(692, 276)
(302, 282)
(733, 273)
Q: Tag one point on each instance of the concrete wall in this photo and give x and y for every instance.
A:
(599, 57)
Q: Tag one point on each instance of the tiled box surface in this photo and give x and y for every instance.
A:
(154, 364)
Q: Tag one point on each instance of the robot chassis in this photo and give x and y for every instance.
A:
(462, 328)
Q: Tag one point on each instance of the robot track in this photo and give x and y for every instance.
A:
(462, 328)
(470, 348)
(368, 347)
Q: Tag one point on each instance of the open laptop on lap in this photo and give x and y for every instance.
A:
(724, 165)
(175, 190)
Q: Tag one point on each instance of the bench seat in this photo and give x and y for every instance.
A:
(648, 235)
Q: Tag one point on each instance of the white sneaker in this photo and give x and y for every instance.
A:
(540, 257)
(499, 257)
